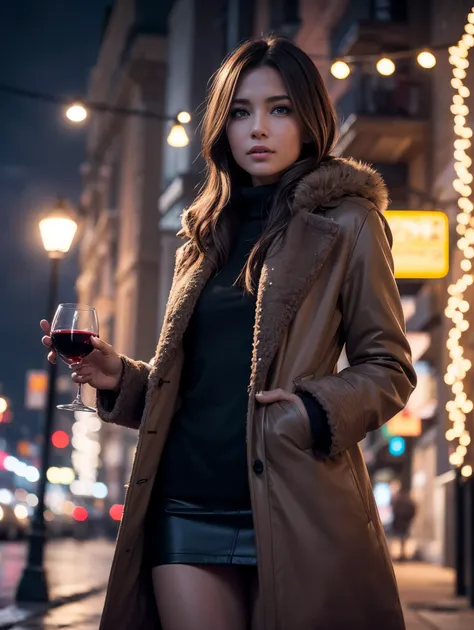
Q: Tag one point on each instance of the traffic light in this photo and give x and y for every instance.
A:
(396, 446)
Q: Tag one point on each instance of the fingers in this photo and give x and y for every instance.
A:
(274, 395)
(52, 357)
(45, 326)
(82, 375)
(101, 345)
(46, 340)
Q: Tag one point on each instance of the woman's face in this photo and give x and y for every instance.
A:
(264, 133)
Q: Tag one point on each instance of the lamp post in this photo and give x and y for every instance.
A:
(57, 228)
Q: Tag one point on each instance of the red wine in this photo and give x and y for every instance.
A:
(72, 345)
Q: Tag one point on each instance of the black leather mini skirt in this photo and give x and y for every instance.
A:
(180, 532)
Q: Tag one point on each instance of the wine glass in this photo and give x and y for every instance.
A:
(71, 331)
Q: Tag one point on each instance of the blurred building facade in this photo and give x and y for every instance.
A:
(119, 252)
(403, 125)
(159, 56)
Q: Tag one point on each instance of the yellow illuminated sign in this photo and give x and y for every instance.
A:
(420, 243)
(404, 424)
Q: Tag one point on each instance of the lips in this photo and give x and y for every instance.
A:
(259, 150)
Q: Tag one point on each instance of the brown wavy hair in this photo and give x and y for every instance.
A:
(210, 223)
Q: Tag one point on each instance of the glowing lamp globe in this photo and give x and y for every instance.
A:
(340, 70)
(76, 113)
(178, 137)
(426, 59)
(58, 228)
(385, 66)
(184, 117)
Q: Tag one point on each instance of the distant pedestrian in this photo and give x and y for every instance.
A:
(404, 511)
(249, 504)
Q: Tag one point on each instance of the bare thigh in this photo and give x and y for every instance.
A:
(199, 597)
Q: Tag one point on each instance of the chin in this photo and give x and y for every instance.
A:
(263, 170)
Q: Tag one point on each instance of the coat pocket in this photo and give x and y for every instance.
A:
(285, 421)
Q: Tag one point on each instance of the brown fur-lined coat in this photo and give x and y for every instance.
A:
(322, 557)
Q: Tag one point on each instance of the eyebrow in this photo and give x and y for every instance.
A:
(271, 99)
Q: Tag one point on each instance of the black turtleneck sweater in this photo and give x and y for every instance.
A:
(204, 459)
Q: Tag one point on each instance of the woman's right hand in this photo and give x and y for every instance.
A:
(102, 368)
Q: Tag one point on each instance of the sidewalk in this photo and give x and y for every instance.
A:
(74, 569)
(427, 593)
(83, 615)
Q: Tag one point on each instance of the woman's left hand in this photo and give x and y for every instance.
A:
(275, 395)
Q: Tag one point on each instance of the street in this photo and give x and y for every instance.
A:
(77, 567)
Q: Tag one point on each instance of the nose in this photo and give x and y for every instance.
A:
(259, 129)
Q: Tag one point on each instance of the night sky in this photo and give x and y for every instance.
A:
(48, 46)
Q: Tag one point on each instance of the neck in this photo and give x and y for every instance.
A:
(265, 181)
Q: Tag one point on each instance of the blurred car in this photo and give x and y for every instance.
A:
(11, 527)
(59, 525)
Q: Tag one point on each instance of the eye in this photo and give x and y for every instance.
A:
(238, 113)
(281, 110)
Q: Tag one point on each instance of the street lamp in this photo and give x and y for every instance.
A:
(57, 228)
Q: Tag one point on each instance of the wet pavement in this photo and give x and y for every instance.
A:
(72, 566)
(83, 615)
(74, 569)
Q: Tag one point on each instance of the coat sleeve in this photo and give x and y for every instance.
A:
(381, 377)
(126, 407)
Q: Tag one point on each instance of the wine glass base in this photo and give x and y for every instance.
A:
(76, 406)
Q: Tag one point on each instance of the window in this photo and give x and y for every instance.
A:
(389, 10)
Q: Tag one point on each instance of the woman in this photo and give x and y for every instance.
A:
(249, 504)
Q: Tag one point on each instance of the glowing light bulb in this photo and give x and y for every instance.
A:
(386, 67)
(76, 113)
(465, 439)
(426, 59)
(466, 471)
(340, 70)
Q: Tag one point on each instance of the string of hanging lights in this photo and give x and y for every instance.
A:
(385, 64)
(78, 111)
(460, 404)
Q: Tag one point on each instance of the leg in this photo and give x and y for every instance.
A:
(255, 622)
(403, 540)
(199, 597)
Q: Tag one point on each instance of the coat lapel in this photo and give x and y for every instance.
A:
(288, 273)
(291, 267)
(185, 291)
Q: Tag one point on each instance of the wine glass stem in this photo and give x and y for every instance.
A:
(79, 394)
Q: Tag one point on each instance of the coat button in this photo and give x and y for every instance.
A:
(258, 467)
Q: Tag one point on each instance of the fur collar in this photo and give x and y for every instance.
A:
(288, 271)
(337, 178)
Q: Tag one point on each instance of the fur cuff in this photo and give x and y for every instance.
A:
(130, 402)
(345, 417)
